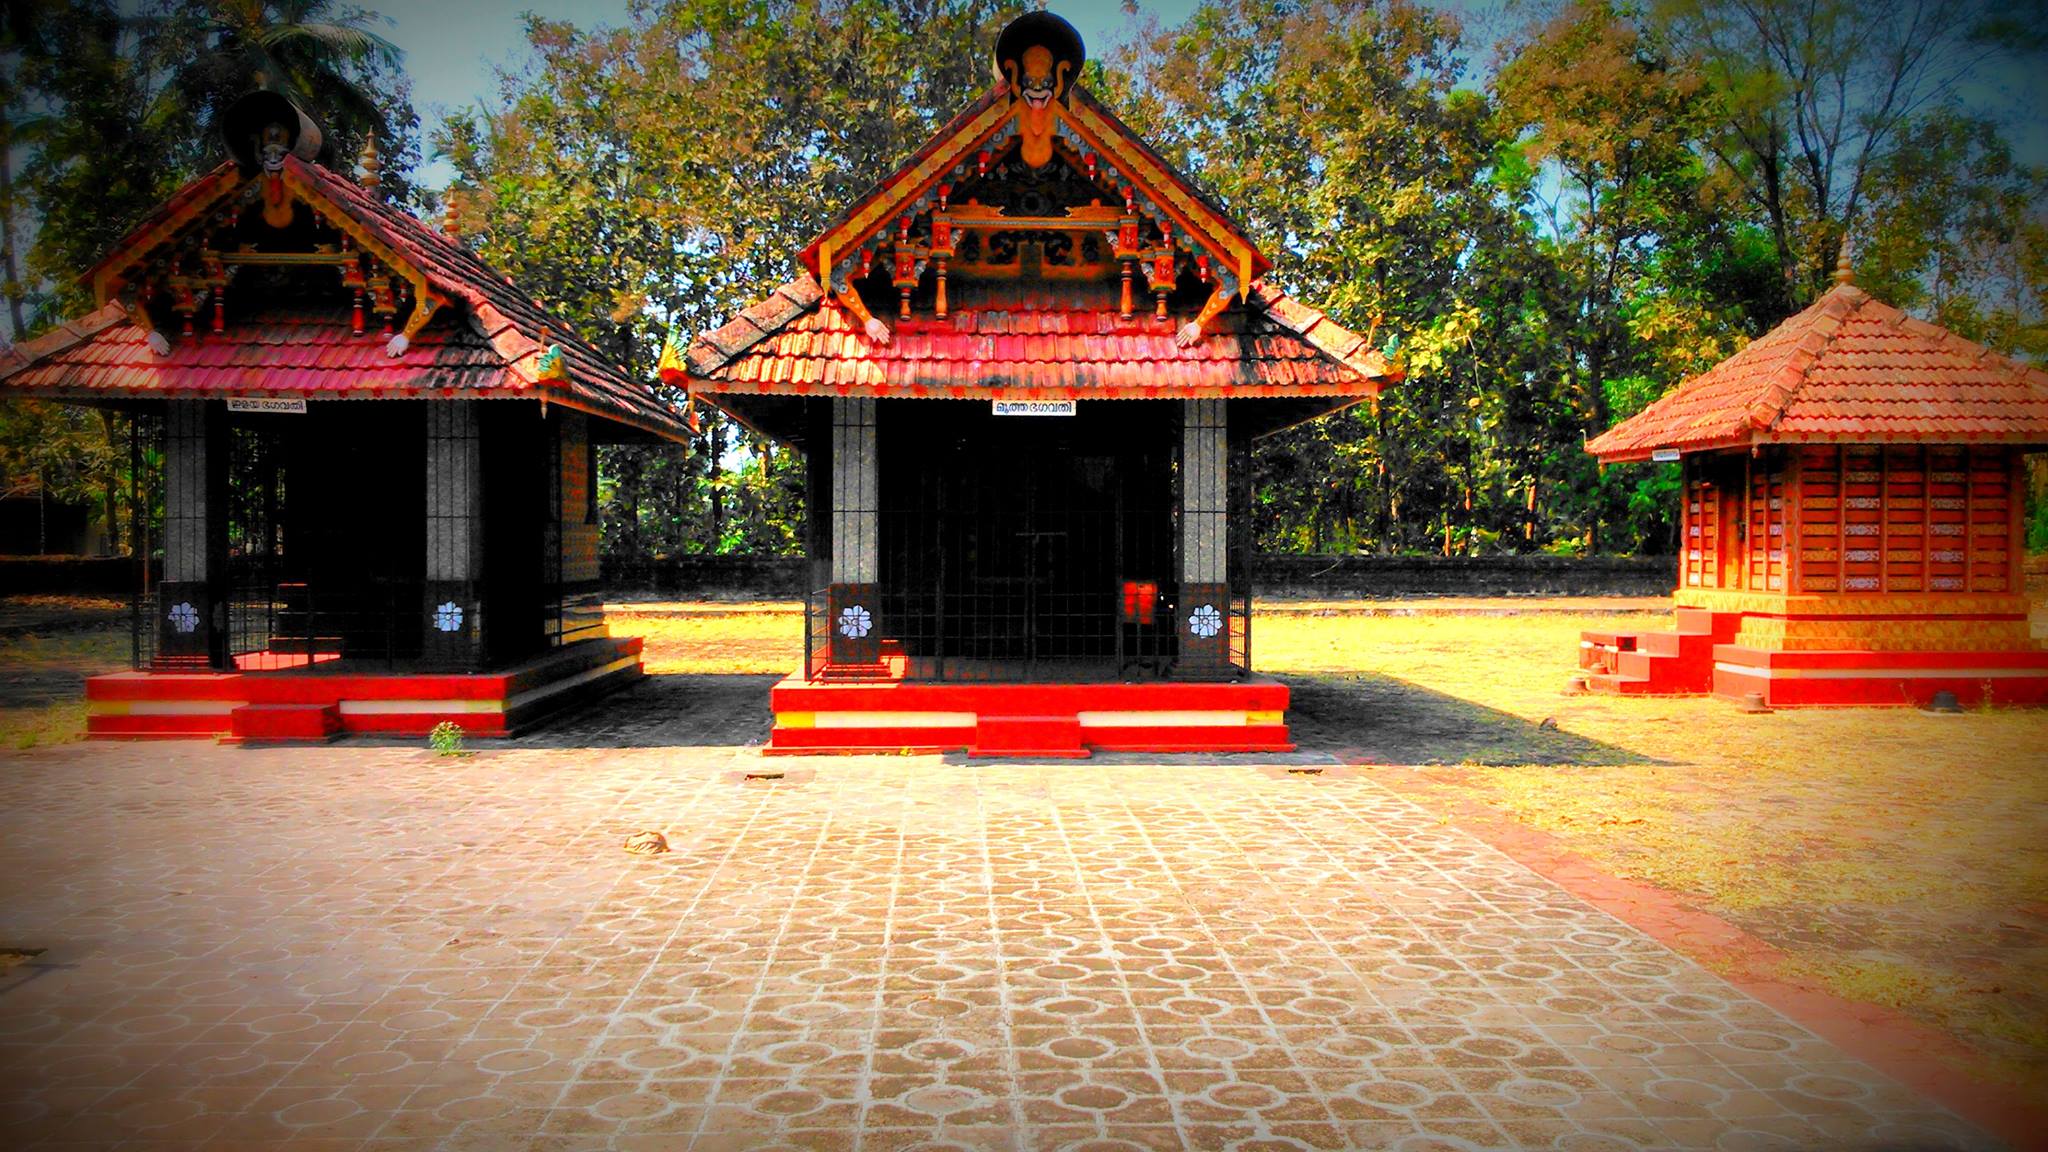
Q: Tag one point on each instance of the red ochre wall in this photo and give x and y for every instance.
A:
(1858, 547)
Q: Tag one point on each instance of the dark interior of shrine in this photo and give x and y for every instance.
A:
(1020, 548)
(326, 535)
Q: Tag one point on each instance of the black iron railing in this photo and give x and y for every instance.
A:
(1137, 641)
(296, 624)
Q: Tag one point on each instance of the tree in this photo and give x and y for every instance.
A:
(111, 108)
(1813, 94)
(661, 176)
(1957, 232)
(1335, 131)
(1610, 124)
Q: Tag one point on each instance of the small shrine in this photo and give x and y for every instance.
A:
(1852, 527)
(374, 459)
(1025, 370)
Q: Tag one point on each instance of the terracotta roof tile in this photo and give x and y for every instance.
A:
(487, 342)
(1847, 368)
(997, 337)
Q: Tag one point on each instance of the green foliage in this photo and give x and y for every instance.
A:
(446, 739)
(663, 175)
(1627, 196)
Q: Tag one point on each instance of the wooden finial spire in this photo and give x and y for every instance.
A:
(451, 214)
(370, 166)
(1844, 272)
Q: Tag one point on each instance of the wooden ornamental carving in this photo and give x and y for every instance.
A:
(1037, 57)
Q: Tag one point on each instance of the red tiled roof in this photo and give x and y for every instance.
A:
(275, 355)
(1849, 369)
(489, 346)
(1033, 344)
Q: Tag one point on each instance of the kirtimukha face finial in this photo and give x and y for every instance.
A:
(1038, 56)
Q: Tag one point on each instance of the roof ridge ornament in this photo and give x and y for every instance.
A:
(370, 166)
(1038, 55)
(1845, 272)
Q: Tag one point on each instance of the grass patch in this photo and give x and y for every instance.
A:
(1899, 857)
(727, 643)
(37, 726)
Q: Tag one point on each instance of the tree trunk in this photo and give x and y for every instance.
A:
(714, 437)
(108, 545)
(9, 259)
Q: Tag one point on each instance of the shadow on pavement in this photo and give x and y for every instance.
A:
(1380, 719)
(672, 711)
(1363, 717)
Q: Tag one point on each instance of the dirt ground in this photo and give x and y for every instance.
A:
(1896, 858)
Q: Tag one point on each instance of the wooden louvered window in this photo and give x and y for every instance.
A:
(1764, 548)
(1820, 519)
(1905, 519)
(1703, 525)
(1970, 519)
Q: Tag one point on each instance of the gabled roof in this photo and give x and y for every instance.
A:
(485, 342)
(1019, 339)
(1084, 125)
(1047, 344)
(1848, 369)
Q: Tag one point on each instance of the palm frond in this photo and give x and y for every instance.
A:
(353, 42)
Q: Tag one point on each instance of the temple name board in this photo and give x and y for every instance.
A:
(1032, 407)
(294, 405)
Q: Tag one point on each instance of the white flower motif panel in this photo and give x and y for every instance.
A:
(448, 617)
(1205, 621)
(184, 617)
(854, 622)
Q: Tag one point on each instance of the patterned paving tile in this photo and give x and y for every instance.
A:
(371, 948)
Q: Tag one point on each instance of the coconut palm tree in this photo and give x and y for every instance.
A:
(318, 53)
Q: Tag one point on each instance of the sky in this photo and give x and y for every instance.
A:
(452, 47)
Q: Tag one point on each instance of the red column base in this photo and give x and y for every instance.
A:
(301, 705)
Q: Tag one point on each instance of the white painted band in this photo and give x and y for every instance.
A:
(1186, 719)
(1878, 673)
(162, 707)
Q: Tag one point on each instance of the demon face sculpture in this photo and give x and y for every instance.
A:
(1038, 56)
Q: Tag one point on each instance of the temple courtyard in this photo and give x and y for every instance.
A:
(1470, 912)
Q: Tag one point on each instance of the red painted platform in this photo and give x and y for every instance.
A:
(1699, 658)
(1033, 720)
(328, 699)
(1819, 679)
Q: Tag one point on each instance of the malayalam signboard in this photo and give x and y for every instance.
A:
(1032, 407)
(294, 405)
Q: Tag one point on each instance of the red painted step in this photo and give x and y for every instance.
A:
(1678, 663)
(294, 723)
(1028, 736)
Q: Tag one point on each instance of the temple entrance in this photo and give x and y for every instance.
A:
(1028, 548)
